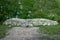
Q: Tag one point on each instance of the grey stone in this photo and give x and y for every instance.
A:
(29, 22)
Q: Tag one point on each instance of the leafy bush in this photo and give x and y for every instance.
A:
(7, 9)
(39, 9)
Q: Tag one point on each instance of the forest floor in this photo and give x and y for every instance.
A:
(21, 33)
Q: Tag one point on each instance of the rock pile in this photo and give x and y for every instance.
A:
(29, 22)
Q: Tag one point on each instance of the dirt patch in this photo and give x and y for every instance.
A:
(21, 33)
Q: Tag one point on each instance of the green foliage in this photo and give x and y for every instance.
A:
(7, 9)
(47, 8)
(27, 6)
(39, 9)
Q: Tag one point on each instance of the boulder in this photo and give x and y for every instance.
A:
(29, 22)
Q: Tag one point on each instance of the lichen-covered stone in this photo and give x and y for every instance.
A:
(29, 22)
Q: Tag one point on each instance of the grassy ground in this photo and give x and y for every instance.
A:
(50, 29)
(3, 30)
(47, 38)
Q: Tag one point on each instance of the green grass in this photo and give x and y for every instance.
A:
(3, 30)
(50, 29)
(47, 38)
